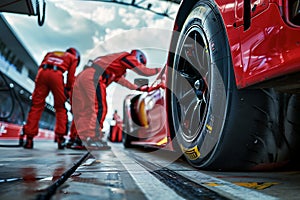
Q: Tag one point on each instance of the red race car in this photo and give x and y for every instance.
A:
(231, 100)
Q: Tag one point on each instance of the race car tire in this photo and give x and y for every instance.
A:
(216, 125)
(127, 136)
(292, 125)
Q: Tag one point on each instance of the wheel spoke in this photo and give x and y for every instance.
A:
(187, 76)
(189, 112)
(197, 53)
(187, 96)
(191, 86)
(201, 56)
(196, 117)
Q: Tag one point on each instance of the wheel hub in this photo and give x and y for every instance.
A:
(197, 85)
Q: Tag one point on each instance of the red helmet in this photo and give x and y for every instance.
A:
(76, 53)
(140, 56)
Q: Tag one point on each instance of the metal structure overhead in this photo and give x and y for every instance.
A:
(28, 7)
(147, 5)
(38, 7)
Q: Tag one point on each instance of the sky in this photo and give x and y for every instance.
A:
(86, 25)
(95, 29)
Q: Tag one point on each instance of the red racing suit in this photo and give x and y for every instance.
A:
(73, 131)
(116, 130)
(89, 93)
(50, 78)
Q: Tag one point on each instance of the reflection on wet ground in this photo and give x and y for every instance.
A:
(33, 174)
(45, 172)
(26, 173)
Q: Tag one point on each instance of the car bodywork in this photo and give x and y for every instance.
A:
(264, 53)
(145, 116)
(262, 47)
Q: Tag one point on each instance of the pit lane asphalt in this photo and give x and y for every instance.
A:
(128, 174)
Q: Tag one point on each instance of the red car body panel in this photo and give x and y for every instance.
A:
(156, 132)
(269, 48)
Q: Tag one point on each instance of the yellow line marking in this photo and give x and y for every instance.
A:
(256, 185)
(163, 141)
(252, 185)
(212, 184)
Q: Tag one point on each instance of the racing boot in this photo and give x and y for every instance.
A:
(70, 143)
(61, 142)
(29, 142)
(90, 143)
(77, 145)
(96, 144)
(103, 142)
(55, 139)
(21, 138)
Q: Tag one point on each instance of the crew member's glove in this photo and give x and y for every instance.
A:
(146, 88)
(143, 88)
(156, 87)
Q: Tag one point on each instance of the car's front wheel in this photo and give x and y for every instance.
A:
(129, 129)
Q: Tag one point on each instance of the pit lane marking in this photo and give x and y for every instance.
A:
(152, 188)
(226, 189)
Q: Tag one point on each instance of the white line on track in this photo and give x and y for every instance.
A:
(152, 188)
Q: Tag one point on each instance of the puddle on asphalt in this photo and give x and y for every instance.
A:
(70, 154)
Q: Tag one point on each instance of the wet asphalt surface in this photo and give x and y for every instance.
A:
(48, 173)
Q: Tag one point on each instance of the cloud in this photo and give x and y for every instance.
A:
(104, 15)
(91, 26)
(130, 19)
(100, 14)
